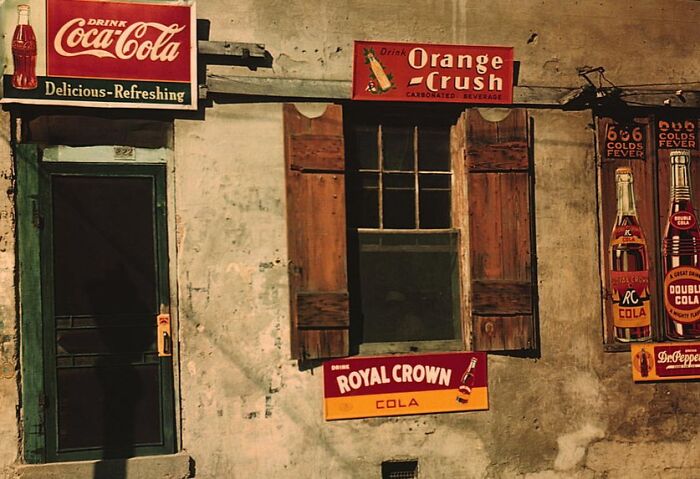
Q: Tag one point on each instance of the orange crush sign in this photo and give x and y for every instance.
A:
(408, 384)
(665, 361)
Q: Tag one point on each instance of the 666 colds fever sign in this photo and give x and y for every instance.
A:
(98, 53)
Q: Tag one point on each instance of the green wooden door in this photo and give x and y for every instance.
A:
(105, 392)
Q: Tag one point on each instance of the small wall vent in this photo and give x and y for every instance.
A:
(399, 469)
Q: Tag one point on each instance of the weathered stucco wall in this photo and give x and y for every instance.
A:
(313, 38)
(247, 409)
(8, 333)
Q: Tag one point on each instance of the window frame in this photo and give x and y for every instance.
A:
(493, 205)
(413, 118)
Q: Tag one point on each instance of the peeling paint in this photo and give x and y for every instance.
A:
(573, 446)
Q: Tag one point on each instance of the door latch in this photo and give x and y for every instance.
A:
(165, 339)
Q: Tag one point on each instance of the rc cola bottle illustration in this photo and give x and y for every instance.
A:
(24, 52)
(681, 255)
(464, 390)
(629, 267)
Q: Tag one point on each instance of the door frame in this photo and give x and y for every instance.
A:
(34, 226)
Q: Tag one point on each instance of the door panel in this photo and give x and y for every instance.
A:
(104, 257)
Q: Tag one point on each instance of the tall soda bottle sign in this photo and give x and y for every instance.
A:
(464, 389)
(629, 267)
(681, 255)
(24, 52)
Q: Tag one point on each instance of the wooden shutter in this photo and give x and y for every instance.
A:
(499, 196)
(315, 164)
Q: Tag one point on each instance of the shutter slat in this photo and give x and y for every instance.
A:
(315, 162)
(323, 310)
(501, 230)
(503, 333)
(507, 156)
(317, 152)
(501, 297)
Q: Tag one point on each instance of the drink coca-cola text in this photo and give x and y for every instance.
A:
(116, 39)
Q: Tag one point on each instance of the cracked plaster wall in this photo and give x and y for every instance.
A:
(8, 335)
(248, 411)
(313, 38)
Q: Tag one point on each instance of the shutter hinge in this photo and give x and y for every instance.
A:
(294, 269)
(37, 219)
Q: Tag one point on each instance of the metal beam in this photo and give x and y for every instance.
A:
(231, 49)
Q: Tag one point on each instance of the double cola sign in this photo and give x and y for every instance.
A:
(92, 52)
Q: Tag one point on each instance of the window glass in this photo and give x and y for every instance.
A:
(407, 286)
(434, 197)
(434, 149)
(403, 265)
(398, 148)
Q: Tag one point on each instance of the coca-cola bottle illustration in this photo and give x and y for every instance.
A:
(24, 52)
(681, 255)
(629, 267)
(464, 390)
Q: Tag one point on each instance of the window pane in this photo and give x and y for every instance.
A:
(398, 148)
(409, 287)
(365, 149)
(368, 209)
(433, 149)
(434, 201)
(104, 252)
(399, 201)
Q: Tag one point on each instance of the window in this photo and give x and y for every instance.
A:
(405, 283)
(409, 228)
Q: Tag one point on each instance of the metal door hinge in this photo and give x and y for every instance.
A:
(37, 219)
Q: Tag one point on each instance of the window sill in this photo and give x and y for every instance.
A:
(171, 466)
(370, 349)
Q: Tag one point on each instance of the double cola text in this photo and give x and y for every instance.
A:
(118, 39)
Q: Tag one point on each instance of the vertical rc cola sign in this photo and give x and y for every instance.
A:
(101, 54)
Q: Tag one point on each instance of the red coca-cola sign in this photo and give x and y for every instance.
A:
(126, 41)
(422, 72)
(102, 53)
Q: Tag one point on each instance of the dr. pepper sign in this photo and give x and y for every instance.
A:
(432, 73)
(400, 385)
(101, 53)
